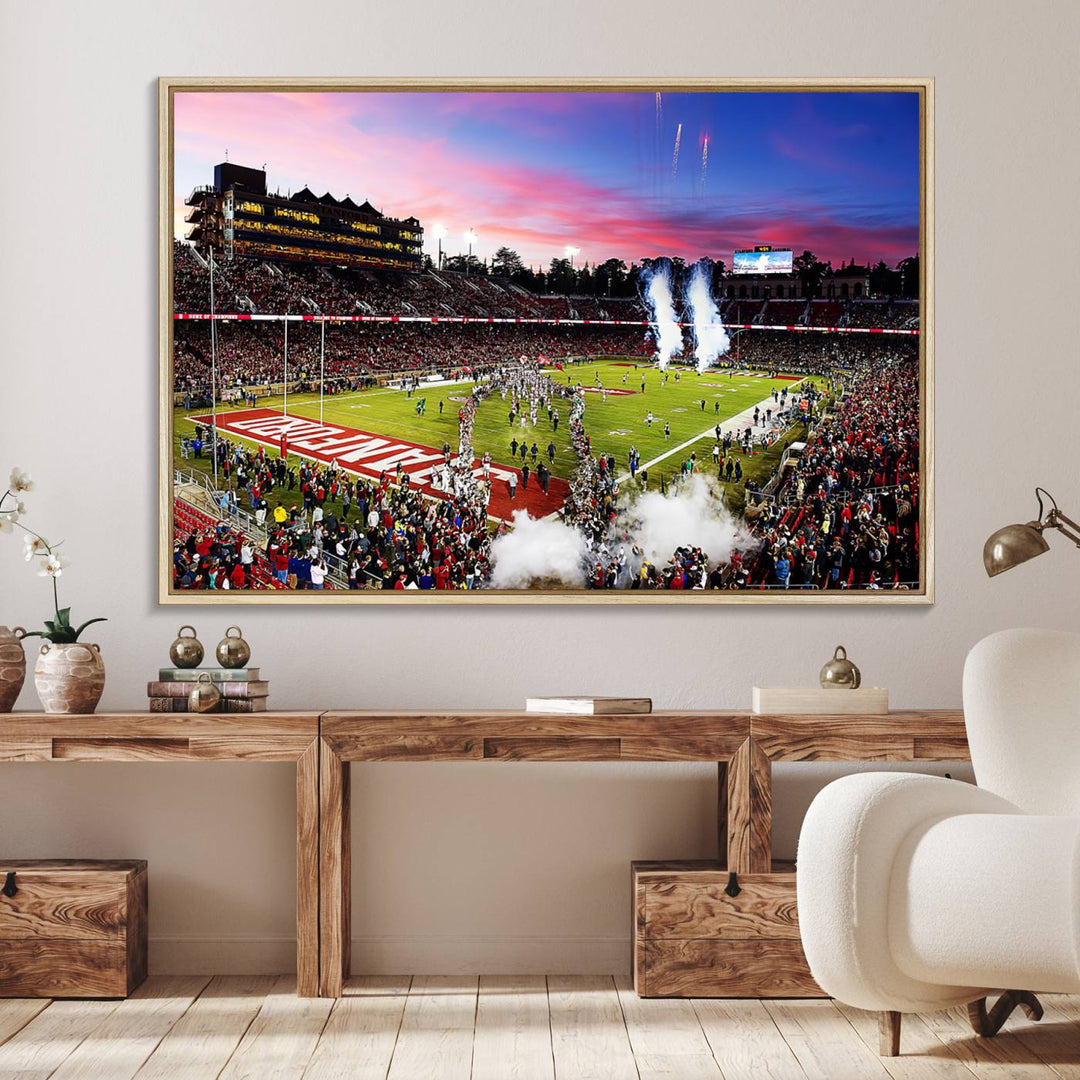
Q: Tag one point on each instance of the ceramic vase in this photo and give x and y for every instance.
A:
(69, 678)
(12, 666)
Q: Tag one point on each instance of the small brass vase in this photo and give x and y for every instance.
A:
(204, 695)
(840, 673)
(233, 652)
(186, 652)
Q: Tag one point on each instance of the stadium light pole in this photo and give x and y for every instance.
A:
(213, 370)
(440, 232)
(470, 238)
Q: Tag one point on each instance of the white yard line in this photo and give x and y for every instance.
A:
(741, 421)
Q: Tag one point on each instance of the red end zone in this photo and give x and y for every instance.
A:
(367, 454)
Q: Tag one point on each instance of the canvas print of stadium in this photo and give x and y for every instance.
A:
(509, 344)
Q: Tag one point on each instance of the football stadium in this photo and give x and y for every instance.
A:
(352, 412)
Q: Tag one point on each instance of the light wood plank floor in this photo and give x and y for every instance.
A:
(524, 1027)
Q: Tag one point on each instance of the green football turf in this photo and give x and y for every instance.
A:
(613, 424)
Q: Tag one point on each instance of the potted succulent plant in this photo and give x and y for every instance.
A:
(69, 674)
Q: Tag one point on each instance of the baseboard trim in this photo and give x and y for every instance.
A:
(221, 956)
(445, 954)
(431, 954)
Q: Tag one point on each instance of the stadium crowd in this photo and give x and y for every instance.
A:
(846, 514)
(253, 354)
(244, 286)
(322, 523)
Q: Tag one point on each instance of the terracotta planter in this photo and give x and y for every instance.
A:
(12, 666)
(69, 678)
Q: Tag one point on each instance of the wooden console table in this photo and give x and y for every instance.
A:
(260, 737)
(743, 745)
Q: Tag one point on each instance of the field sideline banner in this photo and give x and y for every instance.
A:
(252, 317)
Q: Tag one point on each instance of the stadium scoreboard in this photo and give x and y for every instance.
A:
(762, 259)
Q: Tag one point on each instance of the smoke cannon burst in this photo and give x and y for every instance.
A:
(675, 156)
(704, 163)
(661, 301)
(710, 337)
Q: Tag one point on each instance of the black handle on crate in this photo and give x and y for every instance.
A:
(732, 887)
(9, 884)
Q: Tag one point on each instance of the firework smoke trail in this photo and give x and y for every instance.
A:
(675, 156)
(658, 144)
(710, 337)
(658, 296)
(704, 163)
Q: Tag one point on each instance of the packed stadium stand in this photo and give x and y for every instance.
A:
(825, 312)
(202, 540)
(784, 313)
(244, 286)
(846, 515)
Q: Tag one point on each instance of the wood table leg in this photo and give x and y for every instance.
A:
(334, 872)
(749, 810)
(722, 813)
(307, 872)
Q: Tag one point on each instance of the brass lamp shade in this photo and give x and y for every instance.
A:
(1012, 545)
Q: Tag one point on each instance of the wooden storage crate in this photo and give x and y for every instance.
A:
(692, 939)
(71, 928)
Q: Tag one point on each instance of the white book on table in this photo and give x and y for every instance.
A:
(588, 706)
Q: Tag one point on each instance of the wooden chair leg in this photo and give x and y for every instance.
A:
(889, 1033)
(988, 1024)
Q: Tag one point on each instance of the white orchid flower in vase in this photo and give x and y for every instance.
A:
(69, 675)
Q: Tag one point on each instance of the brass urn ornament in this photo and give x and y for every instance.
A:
(233, 652)
(186, 652)
(204, 696)
(840, 673)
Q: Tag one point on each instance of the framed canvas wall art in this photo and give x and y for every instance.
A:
(519, 342)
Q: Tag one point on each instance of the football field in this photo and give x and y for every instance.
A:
(690, 404)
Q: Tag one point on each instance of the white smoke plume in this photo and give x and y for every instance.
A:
(546, 553)
(538, 551)
(710, 337)
(659, 524)
(658, 295)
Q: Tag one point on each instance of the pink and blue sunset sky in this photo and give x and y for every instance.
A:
(837, 173)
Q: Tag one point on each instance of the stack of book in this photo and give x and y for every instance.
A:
(241, 689)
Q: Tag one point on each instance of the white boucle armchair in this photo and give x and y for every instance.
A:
(918, 893)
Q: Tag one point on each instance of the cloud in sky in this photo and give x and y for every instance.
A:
(836, 173)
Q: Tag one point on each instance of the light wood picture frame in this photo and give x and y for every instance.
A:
(309, 265)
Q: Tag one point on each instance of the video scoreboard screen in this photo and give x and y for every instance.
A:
(763, 259)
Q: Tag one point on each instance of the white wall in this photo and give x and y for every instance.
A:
(492, 867)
